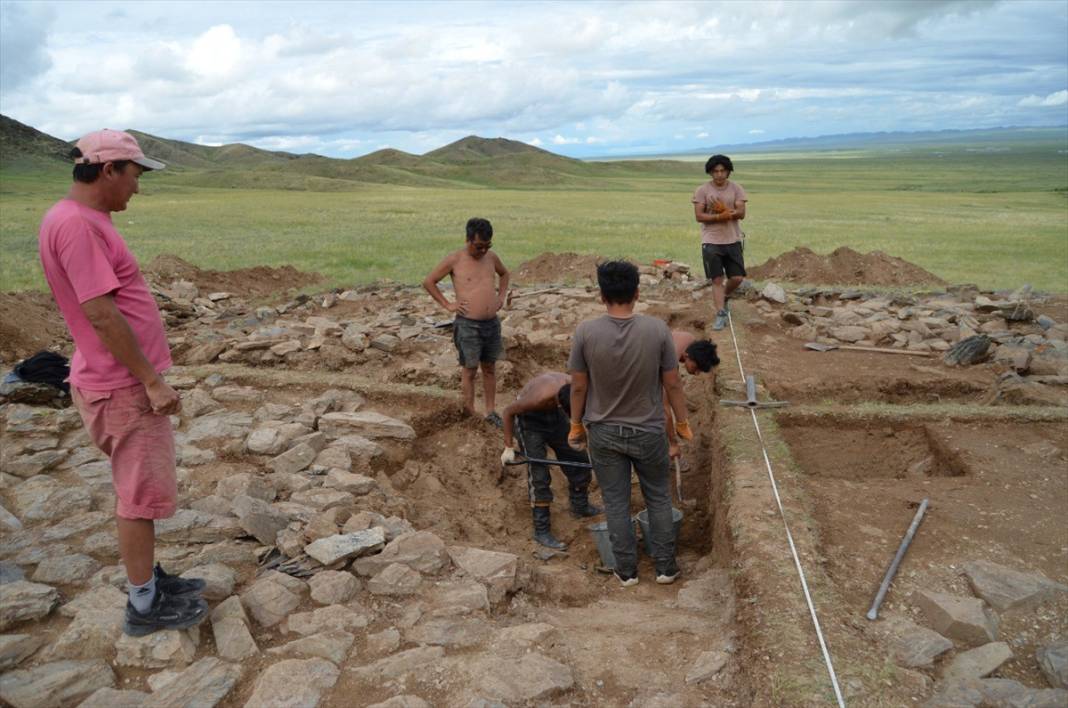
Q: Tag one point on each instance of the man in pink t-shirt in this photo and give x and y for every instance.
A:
(719, 205)
(116, 376)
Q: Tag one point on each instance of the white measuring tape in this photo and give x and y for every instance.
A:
(789, 536)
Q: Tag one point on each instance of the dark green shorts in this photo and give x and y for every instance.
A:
(477, 341)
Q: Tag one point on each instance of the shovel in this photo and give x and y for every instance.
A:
(818, 347)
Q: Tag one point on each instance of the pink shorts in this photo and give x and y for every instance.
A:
(140, 445)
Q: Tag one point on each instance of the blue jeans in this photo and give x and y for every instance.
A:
(614, 449)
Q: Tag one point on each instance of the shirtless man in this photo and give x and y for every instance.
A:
(698, 356)
(543, 409)
(476, 332)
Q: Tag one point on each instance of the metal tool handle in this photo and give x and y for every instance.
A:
(873, 613)
(750, 390)
(561, 463)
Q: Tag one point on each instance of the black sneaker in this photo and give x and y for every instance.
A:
(176, 586)
(165, 613)
(628, 580)
(667, 574)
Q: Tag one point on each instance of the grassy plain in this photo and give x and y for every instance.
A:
(993, 215)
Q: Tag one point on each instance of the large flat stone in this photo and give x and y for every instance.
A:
(495, 569)
(203, 685)
(395, 579)
(366, 423)
(1007, 589)
(913, 646)
(259, 519)
(420, 550)
(342, 547)
(233, 641)
(400, 664)
(91, 634)
(332, 645)
(114, 698)
(293, 460)
(191, 526)
(326, 618)
(59, 683)
(42, 498)
(333, 587)
(270, 601)
(995, 693)
(965, 619)
(293, 682)
(16, 648)
(1053, 660)
(708, 664)
(977, 663)
(159, 650)
(532, 677)
(23, 600)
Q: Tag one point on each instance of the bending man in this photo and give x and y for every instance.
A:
(542, 410)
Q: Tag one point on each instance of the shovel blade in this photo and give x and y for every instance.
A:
(818, 347)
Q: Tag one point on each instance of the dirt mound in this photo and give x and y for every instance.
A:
(29, 322)
(245, 282)
(843, 267)
(558, 268)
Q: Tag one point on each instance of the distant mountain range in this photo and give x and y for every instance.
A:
(472, 162)
(852, 141)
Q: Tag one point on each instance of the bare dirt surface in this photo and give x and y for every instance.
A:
(29, 322)
(255, 282)
(865, 438)
(558, 268)
(844, 266)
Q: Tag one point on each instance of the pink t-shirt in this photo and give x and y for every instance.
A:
(85, 257)
(721, 232)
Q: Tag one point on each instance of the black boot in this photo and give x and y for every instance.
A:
(543, 532)
(580, 504)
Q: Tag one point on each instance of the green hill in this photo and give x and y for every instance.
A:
(23, 146)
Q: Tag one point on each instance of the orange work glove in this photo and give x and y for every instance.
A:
(576, 436)
(683, 430)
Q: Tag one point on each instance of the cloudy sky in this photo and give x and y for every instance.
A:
(606, 78)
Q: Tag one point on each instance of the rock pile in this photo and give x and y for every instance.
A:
(962, 641)
(960, 325)
(391, 602)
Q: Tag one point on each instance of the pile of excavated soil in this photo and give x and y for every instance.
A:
(558, 268)
(259, 281)
(29, 322)
(843, 267)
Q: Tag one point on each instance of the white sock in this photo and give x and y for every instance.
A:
(141, 596)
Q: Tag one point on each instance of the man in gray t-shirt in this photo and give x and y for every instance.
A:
(620, 365)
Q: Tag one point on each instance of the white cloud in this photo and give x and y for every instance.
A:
(536, 142)
(1058, 98)
(342, 77)
(756, 131)
(215, 53)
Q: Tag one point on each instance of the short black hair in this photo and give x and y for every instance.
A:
(91, 173)
(479, 227)
(703, 353)
(719, 160)
(563, 397)
(618, 281)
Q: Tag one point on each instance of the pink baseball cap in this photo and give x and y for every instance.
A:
(112, 145)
